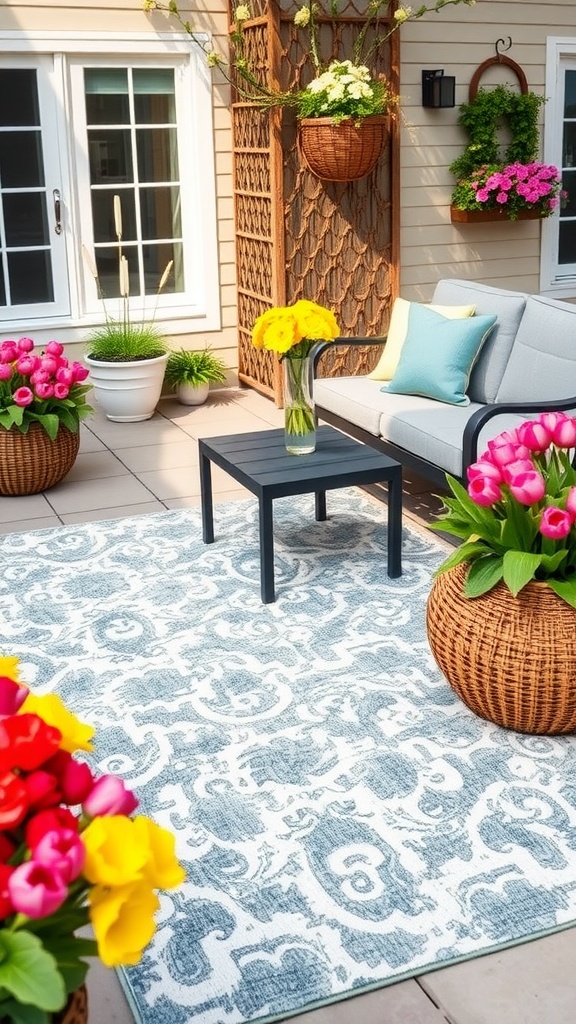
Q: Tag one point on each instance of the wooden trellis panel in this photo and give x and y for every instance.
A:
(298, 237)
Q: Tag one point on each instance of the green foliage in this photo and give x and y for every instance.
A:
(28, 973)
(483, 116)
(194, 368)
(121, 342)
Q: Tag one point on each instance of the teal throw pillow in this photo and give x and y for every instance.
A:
(438, 355)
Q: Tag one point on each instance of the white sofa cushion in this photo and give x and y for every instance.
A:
(542, 365)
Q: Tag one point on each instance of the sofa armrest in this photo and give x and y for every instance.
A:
(480, 418)
(318, 350)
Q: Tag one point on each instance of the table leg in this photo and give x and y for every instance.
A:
(206, 499)
(266, 550)
(395, 525)
(320, 505)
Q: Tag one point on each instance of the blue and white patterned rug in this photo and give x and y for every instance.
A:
(344, 820)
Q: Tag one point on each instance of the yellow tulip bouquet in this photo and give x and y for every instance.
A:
(70, 854)
(292, 331)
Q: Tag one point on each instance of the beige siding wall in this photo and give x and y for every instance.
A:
(459, 39)
(128, 16)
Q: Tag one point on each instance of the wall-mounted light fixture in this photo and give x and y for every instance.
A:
(438, 89)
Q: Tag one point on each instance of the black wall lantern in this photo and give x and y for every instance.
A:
(438, 89)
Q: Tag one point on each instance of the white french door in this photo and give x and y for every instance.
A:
(33, 260)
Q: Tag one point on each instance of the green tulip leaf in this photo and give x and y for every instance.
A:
(566, 589)
(550, 563)
(465, 553)
(23, 1013)
(29, 973)
(519, 568)
(483, 576)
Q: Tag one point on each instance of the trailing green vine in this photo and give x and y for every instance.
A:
(482, 118)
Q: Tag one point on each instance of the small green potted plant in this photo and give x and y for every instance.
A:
(127, 357)
(190, 374)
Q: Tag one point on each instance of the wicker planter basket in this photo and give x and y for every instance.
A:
(344, 151)
(31, 462)
(76, 1009)
(511, 660)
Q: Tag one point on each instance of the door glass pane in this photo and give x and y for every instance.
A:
(569, 185)
(156, 259)
(567, 243)
(110, 156)
(570, 94)
(30, 276)
(26, 272)
(25, 221)
(103, 213)
(144, 161)
(107, 265)
(157, 154)
(154, 99)
(18, 98)
(160, 212)
(21, 163)
(107, 99)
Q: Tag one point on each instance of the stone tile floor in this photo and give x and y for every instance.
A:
(139, 468)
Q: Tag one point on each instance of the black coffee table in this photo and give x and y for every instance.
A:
(260, 462)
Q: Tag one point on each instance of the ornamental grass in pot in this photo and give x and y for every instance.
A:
(42, 402)
(501, 615)
(127, 357)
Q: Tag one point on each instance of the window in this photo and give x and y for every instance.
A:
(79, 125)
(558, 258)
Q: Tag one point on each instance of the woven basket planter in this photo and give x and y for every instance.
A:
(76, 1009)
(344, 151)
(510, 659)
(31, 462)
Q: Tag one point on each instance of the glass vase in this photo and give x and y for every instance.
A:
(299, 419)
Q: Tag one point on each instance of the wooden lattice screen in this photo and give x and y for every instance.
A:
(298, 237)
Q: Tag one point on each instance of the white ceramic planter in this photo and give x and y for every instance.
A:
(188, 394)
(127, 392)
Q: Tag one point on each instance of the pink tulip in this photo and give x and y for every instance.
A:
(46, 821)
(61, 391)
(484, 491)
(49, 364)
(528, 487)
(41, 789)
(505, 452)
(23, 396)
(44, 390)
(514, 468)
(109, 796)
(64, 375)
(486, 469)
(36, 890)
(63, 851)
(555, 523)
(12, 696)
(534, 435)
(571, 502)
(564, 434)
(54, 348)
(80, 372)
(553, 421)
(27, 364)
(8, 352)
(25, 345)
(5, 371)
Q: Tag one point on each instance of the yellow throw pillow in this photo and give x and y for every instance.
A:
(388, 362)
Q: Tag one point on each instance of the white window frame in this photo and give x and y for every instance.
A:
(199, 309)
(560, 52)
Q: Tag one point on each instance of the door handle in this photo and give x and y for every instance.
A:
(57, 211)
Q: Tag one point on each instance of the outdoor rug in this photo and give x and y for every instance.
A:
(344, 820)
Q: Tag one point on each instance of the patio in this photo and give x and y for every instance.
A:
(133, 469)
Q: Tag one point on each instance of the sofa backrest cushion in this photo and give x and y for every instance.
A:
(438, 355)
(398, 329)
(542, 365)
(509, 306)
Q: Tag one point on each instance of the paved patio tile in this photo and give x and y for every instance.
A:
(21, 510)
(45, 523)
(404, 1003)
(528, 984)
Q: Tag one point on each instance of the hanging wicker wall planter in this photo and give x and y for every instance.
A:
(32, 462)
(342, 151)
(510, 659)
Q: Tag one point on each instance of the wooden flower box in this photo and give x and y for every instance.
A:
(482, 216)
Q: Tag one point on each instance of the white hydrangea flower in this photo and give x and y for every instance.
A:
(302, 17)
(242, 13)
(402, 14)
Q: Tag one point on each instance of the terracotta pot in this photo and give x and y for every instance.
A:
(510, 659)
(32, 462)
(482, 216)
(342, 151)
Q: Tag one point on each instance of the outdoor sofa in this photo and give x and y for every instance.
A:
(526, 366)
